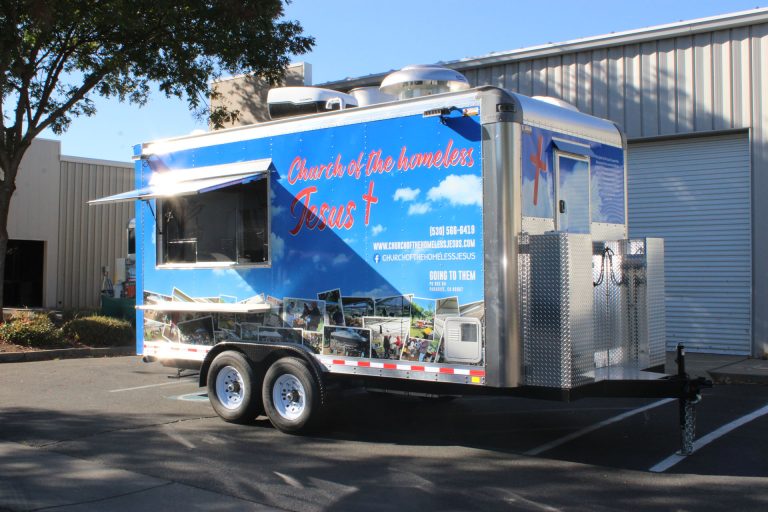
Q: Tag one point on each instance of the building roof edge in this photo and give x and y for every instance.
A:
(669, 30)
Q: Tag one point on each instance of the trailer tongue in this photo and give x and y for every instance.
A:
(463, 242)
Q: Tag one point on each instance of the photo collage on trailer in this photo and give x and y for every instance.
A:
(402, 327)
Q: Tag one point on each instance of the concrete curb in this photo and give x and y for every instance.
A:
(65, 353)
(725, 377)
(748, 371)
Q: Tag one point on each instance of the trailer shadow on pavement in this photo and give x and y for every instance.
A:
(375, 462)
(378, 453)
(621, 433)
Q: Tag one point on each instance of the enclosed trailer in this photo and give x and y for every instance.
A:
(467, 242)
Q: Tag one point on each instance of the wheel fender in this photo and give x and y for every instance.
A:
(216, 350)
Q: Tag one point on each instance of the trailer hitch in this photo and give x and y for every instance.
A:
(690, 395)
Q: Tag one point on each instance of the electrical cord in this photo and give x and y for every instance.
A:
(607, 255)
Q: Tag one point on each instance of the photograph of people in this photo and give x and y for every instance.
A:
(314, 341)
(355, 308)
(306, 314)
(422, 317)
(385, 333)
(333, 308)
(416, 349)
(397, 306)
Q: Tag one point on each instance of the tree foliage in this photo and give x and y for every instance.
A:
(56, 54)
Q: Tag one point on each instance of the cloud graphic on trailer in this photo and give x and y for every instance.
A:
(406, 194)
(544, 206)
(458, 190)
(317, 260)
(232, 276)
(340, 259)
(596, 202)
(277, 209)
(278, 247)
(377, 229)
(419, 209)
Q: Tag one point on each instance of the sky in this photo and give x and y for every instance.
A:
(356, 38)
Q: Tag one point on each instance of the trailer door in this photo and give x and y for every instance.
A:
(572, 208)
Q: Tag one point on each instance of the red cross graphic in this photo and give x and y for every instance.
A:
(369, 199)
(541, 166)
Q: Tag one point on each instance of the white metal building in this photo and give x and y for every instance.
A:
(58, 244)
(693, 100)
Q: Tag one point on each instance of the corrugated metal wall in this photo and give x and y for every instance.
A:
(708, 81)
(695, 194)
(664, 86)
(89, 236)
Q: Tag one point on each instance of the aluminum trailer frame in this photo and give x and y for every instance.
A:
(551, 324)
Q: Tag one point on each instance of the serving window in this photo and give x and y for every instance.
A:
(220, 227)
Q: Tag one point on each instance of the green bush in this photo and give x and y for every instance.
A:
(59, 317)
(30, 329)
(99, 331)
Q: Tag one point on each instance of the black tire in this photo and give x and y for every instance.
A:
(236, 398)
(291, 396)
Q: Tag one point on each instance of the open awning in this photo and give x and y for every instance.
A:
(179, 182)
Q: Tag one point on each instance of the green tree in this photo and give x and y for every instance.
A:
(55, 55)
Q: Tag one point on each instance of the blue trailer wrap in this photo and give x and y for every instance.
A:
(462, 238)
(368, 221)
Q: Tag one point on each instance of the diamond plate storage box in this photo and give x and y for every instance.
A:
(610, 305)
(644, 301)
(557, 309)
(588, 305)
(629, 303)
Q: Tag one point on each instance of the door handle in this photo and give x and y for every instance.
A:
(562, 206)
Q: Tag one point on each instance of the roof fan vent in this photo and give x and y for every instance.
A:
(370, 95)
(423, 80)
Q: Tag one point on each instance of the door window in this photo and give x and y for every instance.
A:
(572, 207)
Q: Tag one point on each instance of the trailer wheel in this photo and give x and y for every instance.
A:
(291, 395)
(233, 388)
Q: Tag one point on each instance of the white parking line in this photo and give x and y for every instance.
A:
(592, 428)
(705, 440)
(149, 386)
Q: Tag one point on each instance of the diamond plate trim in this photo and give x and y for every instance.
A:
(556, 297)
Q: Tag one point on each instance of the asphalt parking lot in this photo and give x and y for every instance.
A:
(378, 453)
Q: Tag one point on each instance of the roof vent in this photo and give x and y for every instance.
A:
(370, 96)
(557, 102)
(299, 101)
(423, 80)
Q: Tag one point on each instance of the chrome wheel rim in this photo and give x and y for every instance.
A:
(230, 388)
(289, 397)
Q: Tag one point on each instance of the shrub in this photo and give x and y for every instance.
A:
(60, 317)
(99, 331)
(30, 329)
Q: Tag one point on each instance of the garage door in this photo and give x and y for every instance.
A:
(695, 193)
